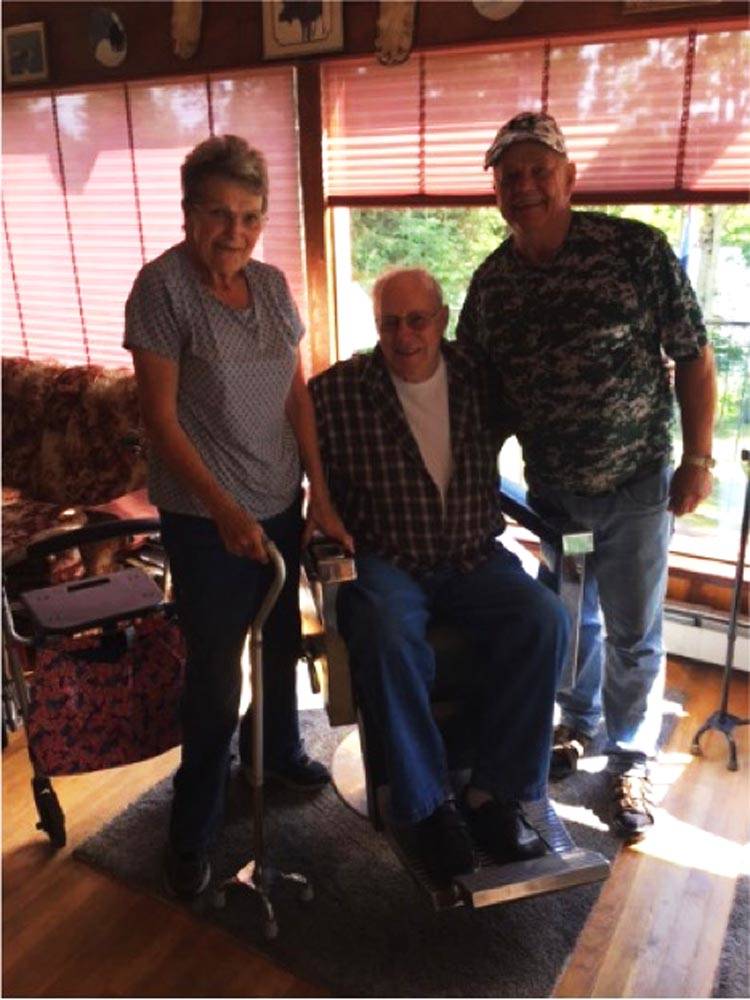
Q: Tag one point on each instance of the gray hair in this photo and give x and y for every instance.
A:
(228, 157)
(432, 284)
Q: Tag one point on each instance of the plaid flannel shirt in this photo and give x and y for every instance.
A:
(378, 480)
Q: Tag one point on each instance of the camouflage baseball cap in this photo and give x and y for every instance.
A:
(528, 125)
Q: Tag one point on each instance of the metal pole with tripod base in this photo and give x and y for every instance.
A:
(722, 721)
(257, 875)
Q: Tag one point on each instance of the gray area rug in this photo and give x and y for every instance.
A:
(369, 931)
(733, 974)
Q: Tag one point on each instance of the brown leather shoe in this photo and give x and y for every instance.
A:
(632, 804)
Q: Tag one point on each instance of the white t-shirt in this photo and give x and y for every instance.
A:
(425, 406)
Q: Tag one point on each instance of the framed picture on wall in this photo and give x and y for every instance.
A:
(302, 28)
(25, 53)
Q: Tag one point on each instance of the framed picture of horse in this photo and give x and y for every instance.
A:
(302, 28)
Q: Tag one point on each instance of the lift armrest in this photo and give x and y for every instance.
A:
(327, 566)
(563, 534)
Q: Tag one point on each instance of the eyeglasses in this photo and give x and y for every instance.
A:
(414, 320)
(248, 220)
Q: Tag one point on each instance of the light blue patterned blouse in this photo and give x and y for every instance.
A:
(235, 371)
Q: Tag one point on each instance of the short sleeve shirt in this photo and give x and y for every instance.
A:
(580, 348)
(235, 371)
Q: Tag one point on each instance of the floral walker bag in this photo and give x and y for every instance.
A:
(103, 701)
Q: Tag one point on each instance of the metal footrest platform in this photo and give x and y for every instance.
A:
(564, 867)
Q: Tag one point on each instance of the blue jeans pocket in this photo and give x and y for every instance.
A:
(649, 493)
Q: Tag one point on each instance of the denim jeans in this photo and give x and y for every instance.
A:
(520, 632)
(621, 666)
(217, 596)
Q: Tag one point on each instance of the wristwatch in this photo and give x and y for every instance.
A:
(703, 461)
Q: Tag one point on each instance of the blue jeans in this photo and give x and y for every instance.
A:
(520, 631)
(621, 667)
(217, 596)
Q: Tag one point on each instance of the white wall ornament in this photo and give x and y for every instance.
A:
(109, 41)
(186, 27)
(497, 10)
(395, 30)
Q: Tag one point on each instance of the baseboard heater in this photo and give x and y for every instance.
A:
(699, 634)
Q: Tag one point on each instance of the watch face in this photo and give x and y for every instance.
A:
(496, 10)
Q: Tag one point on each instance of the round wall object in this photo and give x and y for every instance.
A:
(496, 10)
(107, 36)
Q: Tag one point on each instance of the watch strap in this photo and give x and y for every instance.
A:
(702, 461)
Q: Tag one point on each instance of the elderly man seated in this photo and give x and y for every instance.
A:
(410, 452)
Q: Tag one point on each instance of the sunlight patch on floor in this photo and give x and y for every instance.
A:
(579, 814)
(688, 846)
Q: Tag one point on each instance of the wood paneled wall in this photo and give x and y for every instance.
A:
(231, 33)
(231, 38)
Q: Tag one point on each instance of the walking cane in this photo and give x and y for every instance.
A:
(257, 875)
(722, 720)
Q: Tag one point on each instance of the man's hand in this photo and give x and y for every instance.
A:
(241, 533)
(690, 485)
(322, 516)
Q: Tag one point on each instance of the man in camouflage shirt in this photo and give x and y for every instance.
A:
(577, 313)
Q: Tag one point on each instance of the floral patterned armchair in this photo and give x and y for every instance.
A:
(68, 447)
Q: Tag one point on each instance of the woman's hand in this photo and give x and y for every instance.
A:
(240, 532)
(323, 516)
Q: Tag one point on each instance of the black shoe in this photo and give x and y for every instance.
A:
(303, 773)
(185, 875)
(444, 843)
(632, 805)
(502, 830)
(568, 746)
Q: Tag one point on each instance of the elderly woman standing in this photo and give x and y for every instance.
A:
(214, 337)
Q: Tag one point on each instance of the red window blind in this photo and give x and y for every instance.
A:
(91, 190)
(660, 118)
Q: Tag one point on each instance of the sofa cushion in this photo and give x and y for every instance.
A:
(65, 431)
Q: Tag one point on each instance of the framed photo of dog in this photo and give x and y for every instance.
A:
(302, 28)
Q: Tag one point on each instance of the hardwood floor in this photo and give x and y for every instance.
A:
(658, 926)
(656, 930)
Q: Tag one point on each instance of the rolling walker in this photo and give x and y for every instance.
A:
(257, 875)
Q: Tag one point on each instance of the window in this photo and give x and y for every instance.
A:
(714, 243)
(91, 191)
(654, 121)
(664, 115)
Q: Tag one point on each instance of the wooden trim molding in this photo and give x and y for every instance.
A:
(709, 196)
(311, 181)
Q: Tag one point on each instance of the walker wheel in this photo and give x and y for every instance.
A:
(51, 816)
(270, 930)
(306, 893)
(219, 899)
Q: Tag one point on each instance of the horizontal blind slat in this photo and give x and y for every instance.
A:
(619, 103)
(168, 119)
